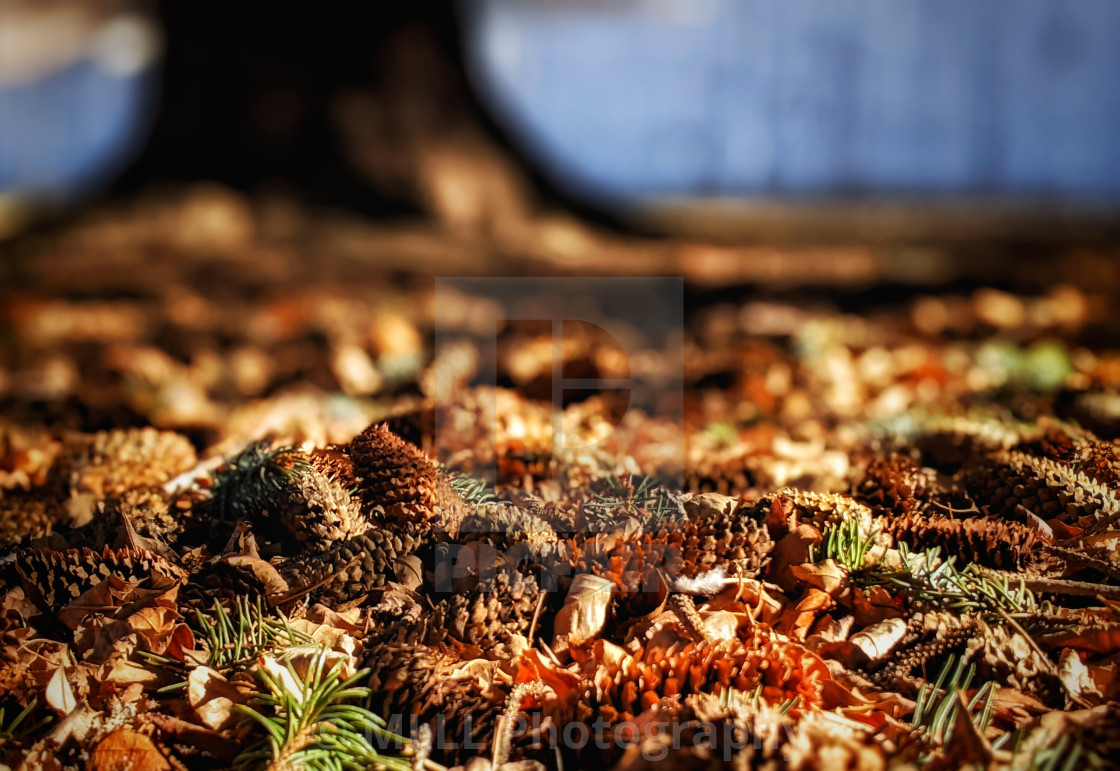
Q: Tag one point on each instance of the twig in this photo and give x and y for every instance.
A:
(536, 617)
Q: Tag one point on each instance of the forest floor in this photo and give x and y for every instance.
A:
(272, 497)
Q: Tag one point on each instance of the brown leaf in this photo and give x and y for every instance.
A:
(127, 673)
(828, 576)
(585, 608)
(59, 695)
(126, 749)
(101, 598)
(269, 577)
(873, 604)
(797, 620)
(155, 627)
(213, 697)
(792, 549)
(1098, 639)
(1077, 680)
(877, 640)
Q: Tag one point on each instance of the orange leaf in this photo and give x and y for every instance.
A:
(125, 748)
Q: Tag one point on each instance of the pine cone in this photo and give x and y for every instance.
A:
(1049, 489)
(28, 515)
(488, 617)
(111, 462)
(1100, 461)
(398, 479)
(353, 568)
(52, 579)
(412, 681)
(895, 484)
(716, 534)
(986, 541)
(515, 533)
(318, 511)
(820, 509)
(620, 686)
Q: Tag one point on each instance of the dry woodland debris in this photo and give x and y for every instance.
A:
(870, 540)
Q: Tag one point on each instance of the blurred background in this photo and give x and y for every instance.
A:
(208, 202)
(706, 117)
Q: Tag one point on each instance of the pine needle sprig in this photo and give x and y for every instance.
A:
(641, 497)
(251, 481)
(936, 705)
(20, 728)
(312, 723)
(930, 580)
(846, 544)
(239, 637)
(235, 638)
(471, 489)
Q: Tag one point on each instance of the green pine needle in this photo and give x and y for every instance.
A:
(471, 489)
(235, 637)
(845, 544)
(625, 496)
(20, 728)
(935, 707)
(319, 728)
(251, 481)
(939, 583)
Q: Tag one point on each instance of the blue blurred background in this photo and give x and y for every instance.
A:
(809, 97)
(614, 101)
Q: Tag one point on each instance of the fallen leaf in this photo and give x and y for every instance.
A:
(126, 749)
(59, 695)
(873, 604)
(828, 576)
(879, 639)
(799, 618)
(101, 598)
(410, 571)
(585, 608)
(1097, 639)
(792, 549)
(155, 627)
(1076, 679)
(282, 675)
(213, 697)
(265, 573)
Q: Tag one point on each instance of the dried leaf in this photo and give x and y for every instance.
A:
(585, 608)
(268, 576)
(1097, 639)
(877, 640)
(59, 695)
(126, 749)
(828, 576)
(281, 675)
(1076, 679)
(103, 598)
(155, 627)
(792, 549)
(213, 697)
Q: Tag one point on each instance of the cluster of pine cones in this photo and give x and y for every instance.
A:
(457, 589)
